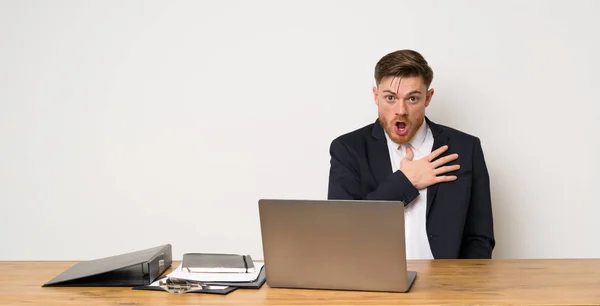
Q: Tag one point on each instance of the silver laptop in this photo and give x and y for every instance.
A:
(334, 244)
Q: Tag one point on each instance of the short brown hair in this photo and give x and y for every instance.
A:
(403, 63)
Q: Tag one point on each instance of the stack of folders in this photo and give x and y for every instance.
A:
(211, 273)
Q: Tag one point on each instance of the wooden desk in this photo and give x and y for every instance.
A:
(557, 281)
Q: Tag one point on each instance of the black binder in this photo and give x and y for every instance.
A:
(131, 269)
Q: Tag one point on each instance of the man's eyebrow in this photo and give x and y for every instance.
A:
(414, 92)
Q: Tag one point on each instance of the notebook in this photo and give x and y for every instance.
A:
(217, 263)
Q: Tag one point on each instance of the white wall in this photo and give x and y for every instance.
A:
(129, 124)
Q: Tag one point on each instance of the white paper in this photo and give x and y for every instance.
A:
(218, 277)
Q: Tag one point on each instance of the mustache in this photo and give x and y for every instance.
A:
(392, 122)
(397, 119)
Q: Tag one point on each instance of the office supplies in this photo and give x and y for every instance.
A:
(335, 244)
(130, 269)
(180, 281)
(179, 286)
(216, 262)
(179, 272)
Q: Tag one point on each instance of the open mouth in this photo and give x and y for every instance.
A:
(400, 128)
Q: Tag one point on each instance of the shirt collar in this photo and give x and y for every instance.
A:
(415, 142)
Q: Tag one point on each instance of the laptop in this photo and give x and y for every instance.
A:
(334, 244)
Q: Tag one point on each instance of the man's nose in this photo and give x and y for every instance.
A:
(400, 108)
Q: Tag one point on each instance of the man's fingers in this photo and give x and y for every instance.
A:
(445, 178)
(436, 153)
(444, 160)
(409, 153)
(446, 169)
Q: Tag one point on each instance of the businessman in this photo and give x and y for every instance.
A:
(438, 172)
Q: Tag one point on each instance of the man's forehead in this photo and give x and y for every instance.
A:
(395, 81)
(402, 85)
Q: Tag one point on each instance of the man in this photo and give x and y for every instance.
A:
(439, 173)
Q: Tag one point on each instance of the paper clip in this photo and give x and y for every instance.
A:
(180, 286)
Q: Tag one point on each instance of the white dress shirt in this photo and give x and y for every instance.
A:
(417, 244)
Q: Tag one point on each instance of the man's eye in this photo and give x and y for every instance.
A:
(390, 98)
(413, 99)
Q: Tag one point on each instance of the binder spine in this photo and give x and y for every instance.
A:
(159, 264)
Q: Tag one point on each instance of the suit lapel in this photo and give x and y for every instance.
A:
(379, 157)
(439, 139)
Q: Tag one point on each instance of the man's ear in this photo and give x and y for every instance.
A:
(375, 95)
(428, 97)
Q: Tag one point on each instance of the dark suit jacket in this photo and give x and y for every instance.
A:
(459, 213)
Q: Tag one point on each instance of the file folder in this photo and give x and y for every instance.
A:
(131, 269)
